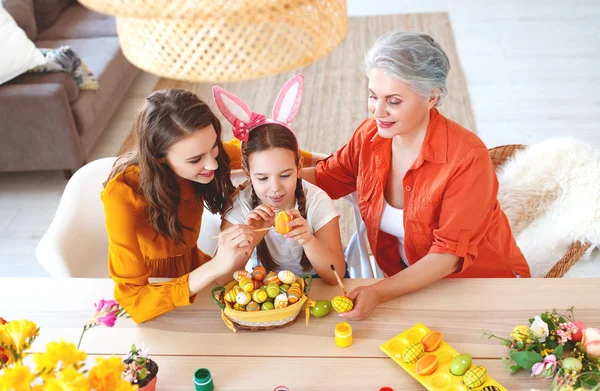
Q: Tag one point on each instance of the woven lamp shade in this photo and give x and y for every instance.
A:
(220, 40)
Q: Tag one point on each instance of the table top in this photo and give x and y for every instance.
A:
(299, 356)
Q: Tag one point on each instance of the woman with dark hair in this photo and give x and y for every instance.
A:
(154, 199)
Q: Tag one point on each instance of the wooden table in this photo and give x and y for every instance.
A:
(303, 357)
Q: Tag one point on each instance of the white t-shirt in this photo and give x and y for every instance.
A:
(392, 222)
(287, 253)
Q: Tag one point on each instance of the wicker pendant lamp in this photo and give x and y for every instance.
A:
(225, 40)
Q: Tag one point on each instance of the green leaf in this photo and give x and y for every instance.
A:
(546, 318)
(531, 320)
(143, 374)
(141, 361)
(526, 359)
(515, 369)
(551, 344)
(558, 352)
(530, 348)
(520, 345)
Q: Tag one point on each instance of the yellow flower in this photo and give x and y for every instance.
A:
(16, 378)
(68, 380)
(64, 352)
(521, 334)
(17, 335)
(546, 352)
(106, 374)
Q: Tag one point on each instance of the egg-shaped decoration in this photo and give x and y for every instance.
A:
(284, 288)
(243, 298)
(257, 284)
(239, 307)
(342, 304)
(413, 353)
(247, 285)
(272, 290)
(286, 277)
(232, 294)
(294, 294)
(252, 306)
(240, 274)
(281, 221)
(259, 273)
(432, 341)
(425, 366)
(295, 284)
(475, 377)
(281, 301)
(267, 305)
(259, 296)
(272, 278)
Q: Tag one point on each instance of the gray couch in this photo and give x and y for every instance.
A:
(46, 122)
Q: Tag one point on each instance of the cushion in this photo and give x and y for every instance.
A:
(79, 22)
(22, 13)
(63, 59)
(48, 11)
(18, 53)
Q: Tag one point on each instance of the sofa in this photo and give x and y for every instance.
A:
(46, 121)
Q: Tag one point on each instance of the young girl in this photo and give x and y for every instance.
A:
(153, 203)
(271, 160)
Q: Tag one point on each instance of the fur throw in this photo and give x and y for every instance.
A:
(550, 193)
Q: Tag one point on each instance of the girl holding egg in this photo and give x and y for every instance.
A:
(272, 162)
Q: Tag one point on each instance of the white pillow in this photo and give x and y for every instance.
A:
(17, 53)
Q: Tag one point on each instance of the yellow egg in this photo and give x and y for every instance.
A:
(412, 353)
(342, 304)
(231, 295)
(475, 377)
(259, 296)
(247, 285)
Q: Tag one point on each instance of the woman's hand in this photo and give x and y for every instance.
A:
(234, 248)
(263, 216)
(300, 230)
(365, 299)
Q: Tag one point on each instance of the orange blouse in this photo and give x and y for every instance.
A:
(137, 253)
(450, 199)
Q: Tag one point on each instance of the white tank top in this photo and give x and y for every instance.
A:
(392, 222)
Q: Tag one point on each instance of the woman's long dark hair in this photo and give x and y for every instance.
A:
(263, 138)
(166, 117)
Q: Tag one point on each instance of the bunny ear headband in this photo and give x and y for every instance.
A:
(244, 120)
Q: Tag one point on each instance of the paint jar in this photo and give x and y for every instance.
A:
(203, 380)
(343, 335)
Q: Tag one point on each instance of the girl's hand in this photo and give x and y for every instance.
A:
(263, 216)
(234, 247)
(300, 230)
(365, 299)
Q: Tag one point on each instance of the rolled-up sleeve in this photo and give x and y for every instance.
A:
(142, 301)
(469, 200)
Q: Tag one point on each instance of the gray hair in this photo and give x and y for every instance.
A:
(413, 58)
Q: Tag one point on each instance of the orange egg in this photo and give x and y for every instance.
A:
(281, 221)
(426, 365)
(432, 341)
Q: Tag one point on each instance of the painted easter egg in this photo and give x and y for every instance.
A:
(475, 377)
(232, 294)
(259, 296)
(272, 278)
(294, 294)
(286, 277)
(240, 274)
(247, 285)
(460, 364)
(281, 221)
(239, 307)
(295, 284)
(284, 288)
(259, 273)
(342, 304)
(281, 301)
(425, 366)
(267, 305)
(432, 341)
(253, 306)
(412, 353)
(572, 364)
(257, 284)
(321, 308)
(272, 290)
(243, 298)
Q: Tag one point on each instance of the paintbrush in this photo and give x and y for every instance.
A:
(338, 279)
(256, 230)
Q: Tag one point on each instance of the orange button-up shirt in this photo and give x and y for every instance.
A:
(450, 199)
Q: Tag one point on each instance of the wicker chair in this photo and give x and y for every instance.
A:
(499, 156)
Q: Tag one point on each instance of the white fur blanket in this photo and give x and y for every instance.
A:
(550, 193)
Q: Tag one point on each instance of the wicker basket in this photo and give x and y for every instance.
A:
(208, 40)
(499, 156)
(260, 320)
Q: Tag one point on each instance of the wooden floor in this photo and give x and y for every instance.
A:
(532, 68)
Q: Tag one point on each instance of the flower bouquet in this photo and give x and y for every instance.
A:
(555, 346)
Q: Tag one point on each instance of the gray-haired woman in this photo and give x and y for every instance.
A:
(426, 186)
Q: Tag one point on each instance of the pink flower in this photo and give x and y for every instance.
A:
(591, 342)
(545, 369)
(107, 312)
